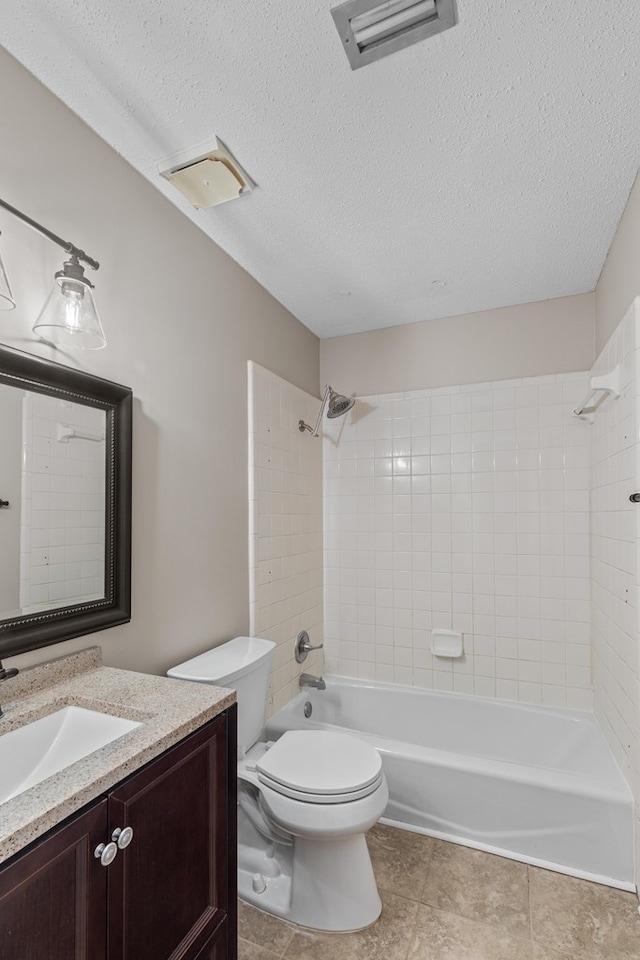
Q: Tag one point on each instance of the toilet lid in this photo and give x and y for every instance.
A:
(320, 764)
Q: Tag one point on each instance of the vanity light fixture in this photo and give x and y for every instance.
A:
(69, 316)
(6, 297)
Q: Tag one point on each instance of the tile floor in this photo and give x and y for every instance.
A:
(445, 902)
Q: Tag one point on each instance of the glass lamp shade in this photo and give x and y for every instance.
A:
(69, 317)
(6, 297)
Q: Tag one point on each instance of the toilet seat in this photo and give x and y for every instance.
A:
(320, 766)
(323, 821)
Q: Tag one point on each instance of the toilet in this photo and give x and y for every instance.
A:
(305, 802)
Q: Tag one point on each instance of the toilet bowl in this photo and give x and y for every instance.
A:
(304, 804)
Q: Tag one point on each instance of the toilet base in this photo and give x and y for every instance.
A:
(325, 885)
(334, 885)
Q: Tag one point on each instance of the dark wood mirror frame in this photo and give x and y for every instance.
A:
(34, 630)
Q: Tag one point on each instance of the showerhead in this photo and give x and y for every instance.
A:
(336, 405)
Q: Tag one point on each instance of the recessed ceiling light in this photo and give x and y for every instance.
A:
(370, 30)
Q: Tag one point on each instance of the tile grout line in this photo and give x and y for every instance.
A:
(414, 932)
(530, 905)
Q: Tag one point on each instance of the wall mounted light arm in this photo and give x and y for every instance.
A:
(66, 245)
(69, 316)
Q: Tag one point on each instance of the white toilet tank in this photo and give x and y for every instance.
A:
(243, 665)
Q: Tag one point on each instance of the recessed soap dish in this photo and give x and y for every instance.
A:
(446, 643)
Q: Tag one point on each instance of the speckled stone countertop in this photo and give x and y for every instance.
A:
(168, 710)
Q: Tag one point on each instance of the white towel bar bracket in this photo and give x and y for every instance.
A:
(601, 387)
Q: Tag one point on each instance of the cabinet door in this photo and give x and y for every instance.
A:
(169, 896)
(52, 898)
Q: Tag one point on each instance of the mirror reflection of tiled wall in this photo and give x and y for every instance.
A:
(63, 515)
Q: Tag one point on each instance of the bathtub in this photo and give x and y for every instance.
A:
(536, 784)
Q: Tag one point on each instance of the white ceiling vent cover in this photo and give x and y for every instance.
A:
(207, 175)
(370, 30)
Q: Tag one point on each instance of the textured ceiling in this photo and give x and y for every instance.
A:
(484, 167)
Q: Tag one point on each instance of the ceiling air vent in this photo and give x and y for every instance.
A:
(371, 30)
(207, 175)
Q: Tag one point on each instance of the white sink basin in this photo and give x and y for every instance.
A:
(34, 752)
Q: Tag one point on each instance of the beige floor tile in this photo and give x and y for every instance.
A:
(251, 951)
(400, 860)
(439, 935)
(387, 939)
(479, 886)
(474, 906)
(582, 920)
(263, 930)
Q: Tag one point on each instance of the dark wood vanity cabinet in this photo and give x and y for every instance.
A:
(52, 897)
(168, 895)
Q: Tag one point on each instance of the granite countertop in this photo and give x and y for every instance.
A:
(168, 710)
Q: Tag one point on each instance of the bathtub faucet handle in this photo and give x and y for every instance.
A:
(303, 646)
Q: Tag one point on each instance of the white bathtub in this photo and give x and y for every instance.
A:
(536, 784)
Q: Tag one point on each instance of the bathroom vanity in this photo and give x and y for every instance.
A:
(131, 851)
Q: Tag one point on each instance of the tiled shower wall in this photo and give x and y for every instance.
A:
(614, 545)
(63, 488)
(285, 526)
(463, 508)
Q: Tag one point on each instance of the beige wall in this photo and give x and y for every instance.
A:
(182, 319)
(527, 340)
(619, 281)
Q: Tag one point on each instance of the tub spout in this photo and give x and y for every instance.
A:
(307, 680)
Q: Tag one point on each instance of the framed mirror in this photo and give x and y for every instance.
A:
(65, 503)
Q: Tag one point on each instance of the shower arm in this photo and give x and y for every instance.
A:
(302, 426)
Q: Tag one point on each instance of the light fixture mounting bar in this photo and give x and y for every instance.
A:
(65, 244)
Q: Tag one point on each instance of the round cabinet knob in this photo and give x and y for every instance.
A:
(635, 498)
(122, 837)
(106, 853)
